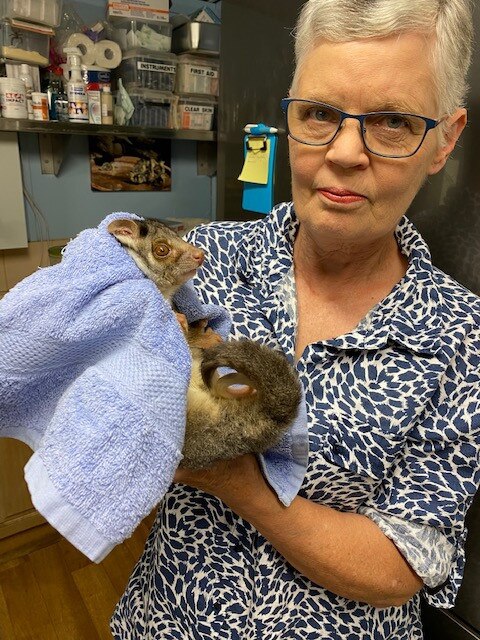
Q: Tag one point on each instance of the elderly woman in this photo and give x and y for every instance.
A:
(385, 344)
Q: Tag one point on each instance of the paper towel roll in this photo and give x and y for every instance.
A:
(86, 46)
(107, 54)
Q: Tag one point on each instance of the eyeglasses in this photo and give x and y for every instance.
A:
(385, 133)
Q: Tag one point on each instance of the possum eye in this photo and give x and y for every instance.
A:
(161, 250)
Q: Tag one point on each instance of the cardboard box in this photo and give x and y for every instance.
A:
(150, 10)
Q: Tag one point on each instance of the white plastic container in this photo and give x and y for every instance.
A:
(154, 109)
(197, 75)
(46, 12)
(151, 36)
(106, 100)
(154, 71)
(196, 112)
(13, 98)
(94, 97)
(24, 45)
(40, 106)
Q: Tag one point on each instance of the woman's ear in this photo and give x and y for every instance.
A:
(454, 126)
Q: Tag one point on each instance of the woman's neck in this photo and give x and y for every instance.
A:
(343, 267)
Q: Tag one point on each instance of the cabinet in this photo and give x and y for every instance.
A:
(17, 514)
(16, 510)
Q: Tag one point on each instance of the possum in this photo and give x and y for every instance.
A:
(248, 409)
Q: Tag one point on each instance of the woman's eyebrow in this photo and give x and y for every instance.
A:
(398, 105)
(380, 105)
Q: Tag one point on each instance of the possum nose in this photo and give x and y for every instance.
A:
(199, 256)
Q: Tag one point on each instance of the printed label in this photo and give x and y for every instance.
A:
(14, 97)
(198, 109)
(204, 72)
(153, 66)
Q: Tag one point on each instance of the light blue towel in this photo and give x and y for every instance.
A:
(94, 371)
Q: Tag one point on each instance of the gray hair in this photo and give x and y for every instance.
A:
(450, 20)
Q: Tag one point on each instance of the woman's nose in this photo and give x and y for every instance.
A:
(347, 148)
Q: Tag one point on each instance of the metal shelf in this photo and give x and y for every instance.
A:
(69, 128)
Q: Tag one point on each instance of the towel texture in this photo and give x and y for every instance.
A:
(94, 371)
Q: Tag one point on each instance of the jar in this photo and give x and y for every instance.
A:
(40, 106)
(13, 98)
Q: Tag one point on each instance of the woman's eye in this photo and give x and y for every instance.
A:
(161, 250)
(319, 114)
(395, 122)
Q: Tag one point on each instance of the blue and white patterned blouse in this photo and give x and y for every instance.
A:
(394, 431)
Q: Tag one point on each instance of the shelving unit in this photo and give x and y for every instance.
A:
(53, 138)
(74, 128)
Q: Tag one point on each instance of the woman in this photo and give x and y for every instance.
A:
(385, 344)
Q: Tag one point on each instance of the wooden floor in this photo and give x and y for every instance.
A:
(56, 593)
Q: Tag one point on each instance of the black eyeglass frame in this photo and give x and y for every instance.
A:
(429, 122)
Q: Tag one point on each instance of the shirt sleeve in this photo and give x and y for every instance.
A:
(426, 549)
(435, 477)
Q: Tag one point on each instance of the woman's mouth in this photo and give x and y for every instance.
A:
(342, 196)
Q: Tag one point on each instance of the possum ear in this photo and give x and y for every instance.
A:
(232, 385)
(123, 229)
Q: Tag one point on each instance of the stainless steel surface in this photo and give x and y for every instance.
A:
(197, 37)
(256, 68)
(32, 126)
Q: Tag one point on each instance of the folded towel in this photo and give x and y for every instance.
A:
(94, 370)
(285, 465)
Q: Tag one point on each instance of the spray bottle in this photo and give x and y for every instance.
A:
(76, 91)
(26, 76)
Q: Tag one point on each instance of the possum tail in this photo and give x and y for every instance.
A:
(257, 403)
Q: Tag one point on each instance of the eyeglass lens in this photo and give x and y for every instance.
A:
(392, 134)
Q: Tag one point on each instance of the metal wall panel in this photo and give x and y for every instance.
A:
(256, 69)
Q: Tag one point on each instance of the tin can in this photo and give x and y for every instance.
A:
(13, 98)
(40, 106)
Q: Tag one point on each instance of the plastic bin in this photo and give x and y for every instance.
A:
(154, 71)
(150, 36)
(23, 44)
(197, 37)
(196, 112)
(154, 109)
(197, 75)
(40, 11)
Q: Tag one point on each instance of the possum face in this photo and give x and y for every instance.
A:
(159, 252)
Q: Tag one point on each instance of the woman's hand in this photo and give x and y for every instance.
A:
(229, 480)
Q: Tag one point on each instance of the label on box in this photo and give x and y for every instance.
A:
(204, 72)
(197, 109)
(154, 10)
(95, 76)
(195, 117)
(154, 66)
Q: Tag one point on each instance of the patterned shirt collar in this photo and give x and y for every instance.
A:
(409, 316)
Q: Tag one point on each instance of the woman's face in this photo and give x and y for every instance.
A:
(388, 74)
